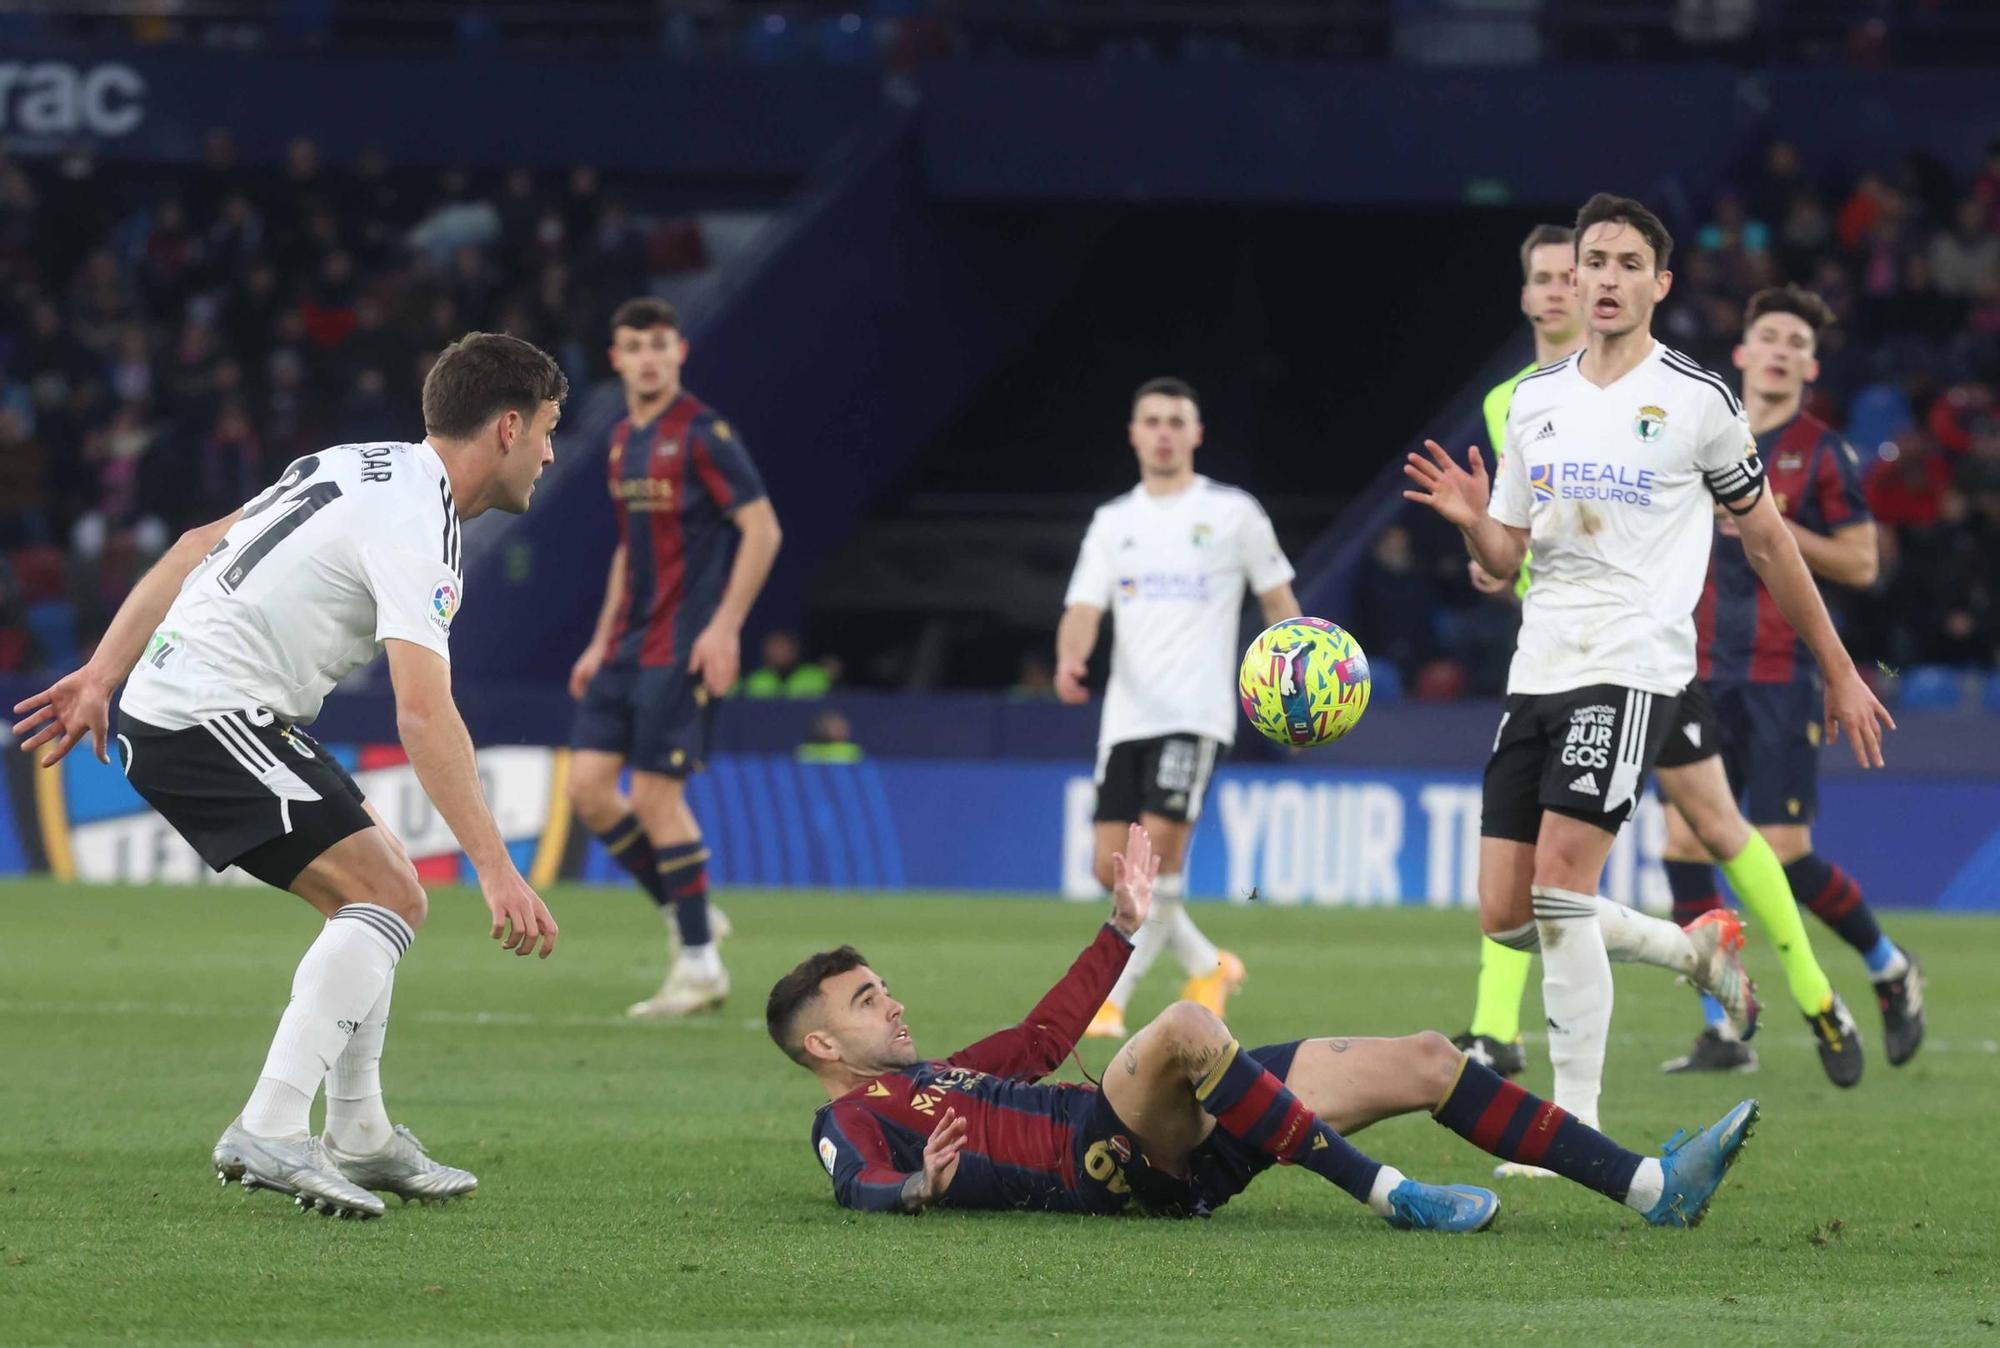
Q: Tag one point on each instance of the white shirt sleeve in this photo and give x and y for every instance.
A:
(416, 594)
(1512, 501)
(1263, 561)
(1092, 582)
(1727, 453)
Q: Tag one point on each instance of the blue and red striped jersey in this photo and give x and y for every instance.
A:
(1020, 1134)
(1815, 478)
(675, 482)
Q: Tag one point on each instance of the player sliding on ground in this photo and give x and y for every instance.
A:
(231, 643)
(1185, 1117)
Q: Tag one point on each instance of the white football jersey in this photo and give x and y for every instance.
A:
(1616, 487)
(1172, 570)
(352, 546)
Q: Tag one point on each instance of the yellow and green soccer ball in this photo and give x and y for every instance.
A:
(1304, 682)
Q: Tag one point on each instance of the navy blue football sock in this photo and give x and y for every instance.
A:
(683, 877)
(1254, 1107)
(1831, 895)
(1499, 1117)
(628, 845)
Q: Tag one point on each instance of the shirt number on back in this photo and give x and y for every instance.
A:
(296, 510)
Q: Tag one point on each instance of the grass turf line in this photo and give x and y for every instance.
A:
(646, 1183)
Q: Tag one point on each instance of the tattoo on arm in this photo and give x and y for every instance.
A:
(913, 1192)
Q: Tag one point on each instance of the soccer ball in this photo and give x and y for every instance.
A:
(1304, 682)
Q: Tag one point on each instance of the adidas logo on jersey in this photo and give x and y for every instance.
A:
(1547, 432)
(1585, 785)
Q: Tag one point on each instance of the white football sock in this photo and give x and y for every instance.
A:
(1647, 1186)
(1195, 951)
(342, 974)
(1633, 937)
(705, 960)
(1386, 1180)
(1576, 995)
(356, 1121)
(1147, 943)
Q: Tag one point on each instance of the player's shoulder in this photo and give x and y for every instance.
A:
(709, 423)
(1124, 503)
(1689, 377)
(1541, 385)
(1226, 496)
(406, 493)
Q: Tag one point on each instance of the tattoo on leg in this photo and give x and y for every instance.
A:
(1131, 1062)
(1340, 1045)
(1202, 1058)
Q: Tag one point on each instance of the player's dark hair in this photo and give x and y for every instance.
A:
(1541, 236)
(1605, 208)
(1167, 387)
(644, 313)
(1794, 300)
(484, 374)
(798, 990)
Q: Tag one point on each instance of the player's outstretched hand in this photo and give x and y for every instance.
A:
(75, 705)
(1069, 682)
(1132, 873)
(717, 655)
(520, 918)
(947, 1140)
(584, 670)
(1457, 494)
(1850, 705)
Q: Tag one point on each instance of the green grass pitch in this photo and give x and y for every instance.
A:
(655, 1184)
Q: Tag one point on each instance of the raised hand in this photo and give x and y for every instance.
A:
(75, 705)
(1457, 494)
(1851, 705)
(1132, 873)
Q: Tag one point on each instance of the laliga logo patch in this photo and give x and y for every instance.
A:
(826, 1153)
(1651, 424)
(444, 603)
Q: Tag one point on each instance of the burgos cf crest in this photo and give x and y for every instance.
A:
(1651, 424)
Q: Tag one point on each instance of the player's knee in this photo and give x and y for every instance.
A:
(1105, 877)
(403, 894)
(590, 793)
(1436, 1059)
(1188, 1026)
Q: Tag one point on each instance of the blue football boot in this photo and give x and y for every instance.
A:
(1441, 1207)
(1695, 1166)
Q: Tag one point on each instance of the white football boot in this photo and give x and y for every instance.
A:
(685, 991)
(302, 1169)
(403, 1168)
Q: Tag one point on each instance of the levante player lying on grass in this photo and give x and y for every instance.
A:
(1185, 1117)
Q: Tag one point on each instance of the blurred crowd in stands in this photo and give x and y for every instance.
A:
(897, 35)
(167, 346)
(1908, 257)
